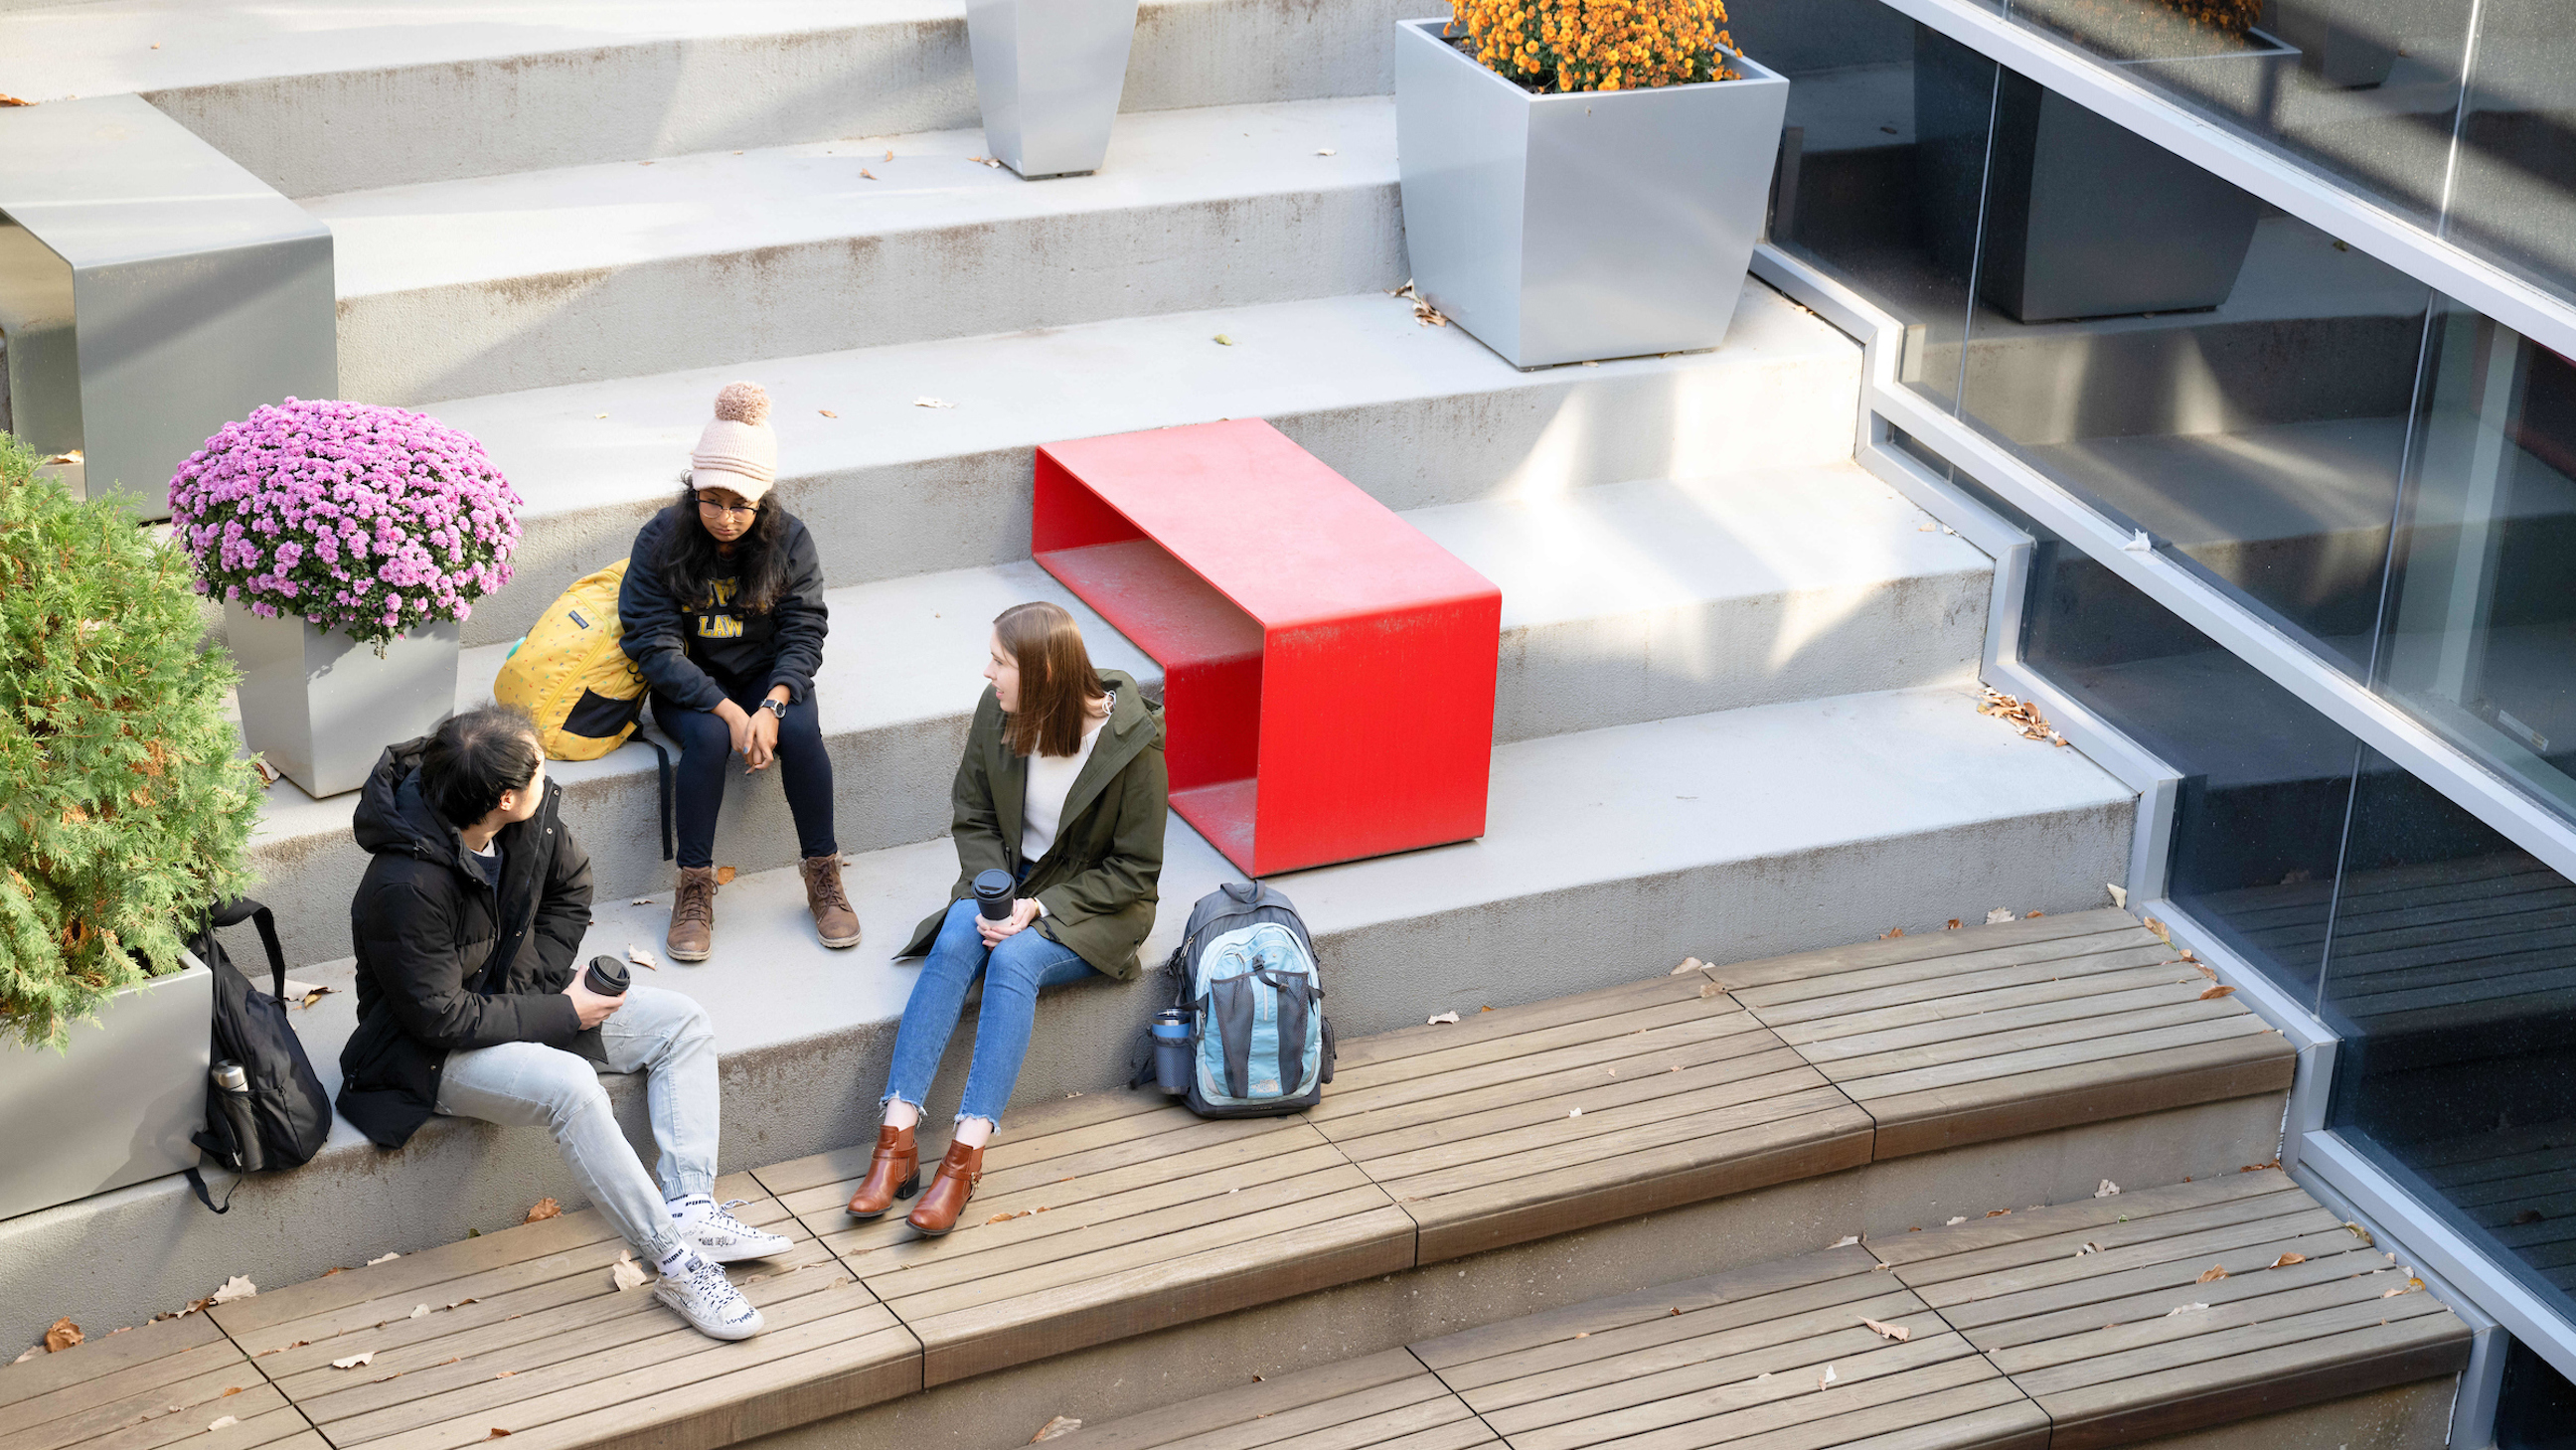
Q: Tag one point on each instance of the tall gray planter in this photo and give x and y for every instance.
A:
(117, 1105)
(1048, 74)
(1567, 228)
(321, 707)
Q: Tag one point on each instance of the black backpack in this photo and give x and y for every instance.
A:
(280, 1116)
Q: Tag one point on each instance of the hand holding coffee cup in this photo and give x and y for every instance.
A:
(599, 991)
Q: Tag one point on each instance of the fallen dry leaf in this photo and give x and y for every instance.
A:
(236, 1287)
(505, 1374)
(1826, 1378)
(387, 1259)
(1953, 926)
(1423, 312)
(2119, 894)
(6, 100)
(641, 901)
(543, 1209)
(2108, 1189)
(32, 1351)
(626, 1273)
(355, 1360)
(889, 154)
(2212, 993)
(62, 1334)
(1688, 966)
(2015, 711)
(1846, 1241)
(1999, 1213)
(926, 401)
(497, 1433)
(984, 161)
(1583, 1334)
(826, 412)
(1324, 151)
(2410, 1287)
(2286, 1260)
(2159, 929)
(420, 1311)
(1578, 1112)
(1060, 1425)
(643, 958)
(226, 1395)
(1449, 1018)
(1954, 1223)
(222, 1422)
(2205, 972)
(2186, 1309)
(1892, 933)
(866, 175)
(1224, 340)
(1896, 1332)
(2212, 1274)
(724, 875)
(1999, 916)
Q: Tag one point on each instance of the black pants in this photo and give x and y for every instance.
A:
(706, 754)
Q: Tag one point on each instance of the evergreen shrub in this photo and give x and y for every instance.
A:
(123, 808)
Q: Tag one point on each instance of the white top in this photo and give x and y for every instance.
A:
(1050, 781)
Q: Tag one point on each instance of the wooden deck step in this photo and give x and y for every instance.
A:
(2150, 1313)
(1784, 1350)
(1532, 1121)
(1380, 1402)
(525, 1333)
(143, 1388)
(1994, 1032)
(1108, 1216)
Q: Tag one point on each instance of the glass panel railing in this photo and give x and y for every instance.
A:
(2513, 196)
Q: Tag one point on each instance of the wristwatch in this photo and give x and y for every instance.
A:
(777, 708)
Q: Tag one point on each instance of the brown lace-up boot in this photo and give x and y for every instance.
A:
(834, 921)
(895, 1172)
(693, 915)
(946, 1197)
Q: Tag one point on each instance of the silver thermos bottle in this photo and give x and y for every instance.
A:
(232, 1095)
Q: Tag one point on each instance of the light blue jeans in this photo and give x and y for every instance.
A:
(528, 1084)
(1013, 973)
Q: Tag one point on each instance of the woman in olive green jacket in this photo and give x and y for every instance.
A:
(1063, 788)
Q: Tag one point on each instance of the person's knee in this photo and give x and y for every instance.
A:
(574, 1093)
(802, 724)
(698, 731)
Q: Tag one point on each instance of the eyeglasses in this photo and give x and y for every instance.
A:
(710, 506)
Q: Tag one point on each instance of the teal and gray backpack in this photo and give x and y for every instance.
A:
(1244, 975)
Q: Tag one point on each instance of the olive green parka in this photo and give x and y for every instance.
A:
(1099, 881)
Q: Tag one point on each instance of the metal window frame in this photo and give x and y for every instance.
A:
(2295, 186)
(2463, 1276)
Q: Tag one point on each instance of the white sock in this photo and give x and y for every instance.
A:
(675, 1261)
(690, 1205)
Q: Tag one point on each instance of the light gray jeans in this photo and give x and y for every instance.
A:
(528, 1084)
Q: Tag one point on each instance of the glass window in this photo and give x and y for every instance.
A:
(1881, 164)
(2480, 636)
(2537, 1408)
(2222, 376)
(2514, 197)
(2366, 89)
(2266, 780)
(2451, 975)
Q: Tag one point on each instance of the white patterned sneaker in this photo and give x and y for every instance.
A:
(711, 1229)
(708, 1300)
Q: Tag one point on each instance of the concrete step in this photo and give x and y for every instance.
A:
(1418, 416)
(1609, 855)
(621, 269)
(1621, 603)
(315, 97)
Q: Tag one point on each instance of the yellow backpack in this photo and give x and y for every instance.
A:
(571, 676)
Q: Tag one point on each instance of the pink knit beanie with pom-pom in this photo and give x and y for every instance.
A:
(739, 450)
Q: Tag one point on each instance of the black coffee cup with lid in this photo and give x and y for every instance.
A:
(993, 894)
(606, 975)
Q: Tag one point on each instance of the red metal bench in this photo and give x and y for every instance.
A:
(1328, 671)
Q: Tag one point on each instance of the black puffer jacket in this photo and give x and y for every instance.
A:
(693, 655)
(447, 958)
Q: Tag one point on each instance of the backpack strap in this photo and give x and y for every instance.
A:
(240, 909)
(663, 756)
(197, 1182)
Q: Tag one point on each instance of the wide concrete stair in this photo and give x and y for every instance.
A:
(1124, 1255)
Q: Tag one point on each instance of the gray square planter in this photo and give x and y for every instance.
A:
(322, 707)
(1567, 228)
(117, 1105)
(1048, 75)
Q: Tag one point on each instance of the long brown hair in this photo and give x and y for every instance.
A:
(1057, 682)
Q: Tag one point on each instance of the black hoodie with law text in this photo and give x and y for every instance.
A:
(448, 957)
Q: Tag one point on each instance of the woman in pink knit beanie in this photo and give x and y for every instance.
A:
(723, 612)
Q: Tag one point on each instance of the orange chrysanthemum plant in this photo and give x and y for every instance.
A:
(1597, 45)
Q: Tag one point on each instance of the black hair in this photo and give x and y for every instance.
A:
(473, 757)
(690, 559)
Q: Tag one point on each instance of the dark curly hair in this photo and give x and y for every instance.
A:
(692, 557)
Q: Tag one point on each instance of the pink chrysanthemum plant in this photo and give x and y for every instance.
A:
(363, 519)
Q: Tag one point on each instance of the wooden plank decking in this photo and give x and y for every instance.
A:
(525, 1332)
(1531, 1121)
(2170, 1309)
(1107, 1216)
(1116, 1214)
(1995, 1032)
(1380, 1402)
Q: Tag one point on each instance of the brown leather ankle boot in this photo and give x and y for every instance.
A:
(946, 1197)
(895, 1172)
(693, 915)
(834, 921)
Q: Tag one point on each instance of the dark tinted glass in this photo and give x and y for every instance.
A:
(2451, 975)
(1880, 166)
(2266, 780)
(2537, 1409)
(2480, 635)
(2515, 195)
(2366, 89)
(2226, 378)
